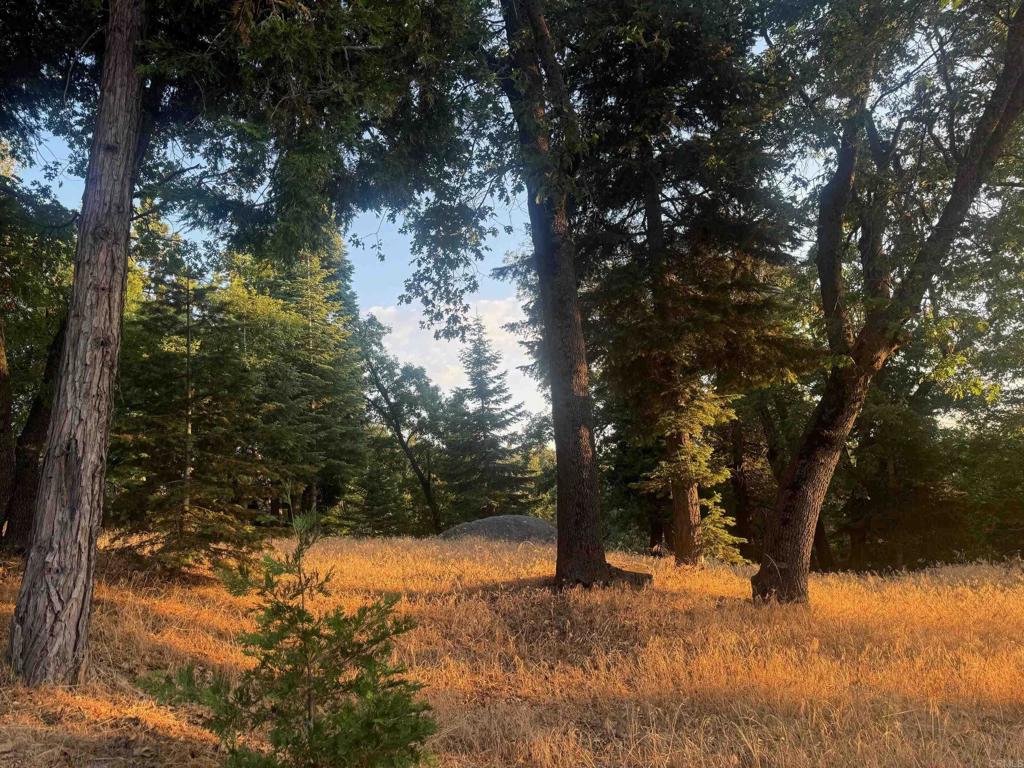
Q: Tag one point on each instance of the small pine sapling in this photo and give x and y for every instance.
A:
(322, 692)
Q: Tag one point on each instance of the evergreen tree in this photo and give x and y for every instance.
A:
(486, 466)
(322, 691)
(183, 461)
(237, 405)
(389, 499)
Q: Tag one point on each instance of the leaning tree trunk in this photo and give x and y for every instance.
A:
(785, 562)
(18, 532)
(534, 83)
(789, 537)
(49, 634)
(387, 410)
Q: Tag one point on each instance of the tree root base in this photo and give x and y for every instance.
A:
(608, 576)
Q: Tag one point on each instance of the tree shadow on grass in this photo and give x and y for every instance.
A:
(52, 742)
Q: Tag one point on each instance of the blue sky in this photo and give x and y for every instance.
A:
(379, 285)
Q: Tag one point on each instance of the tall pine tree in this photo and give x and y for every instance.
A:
(487, 470)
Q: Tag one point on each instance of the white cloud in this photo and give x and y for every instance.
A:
(440, 358)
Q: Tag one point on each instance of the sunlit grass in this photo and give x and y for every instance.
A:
(917, 670)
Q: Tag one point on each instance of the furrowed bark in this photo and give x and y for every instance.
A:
(534, 82)
(17, 535)
(785, 562)
(789, 534)
(49, 633)
(821, 548)
(686, 543)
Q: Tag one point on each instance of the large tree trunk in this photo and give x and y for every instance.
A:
(789, 536)
(580, 555)
(49, 634)
(821, 550)
(534, 83)
(18, 531)
(785, 562)
(686, 543)
(656, 528)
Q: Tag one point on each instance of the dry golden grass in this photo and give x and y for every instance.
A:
(916, 670)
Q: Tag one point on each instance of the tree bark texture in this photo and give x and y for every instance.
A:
(49, 633)
(686, 543)
(789, 534)
(534, 83)
(785, 562)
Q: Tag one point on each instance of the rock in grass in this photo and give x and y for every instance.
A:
(512, 528)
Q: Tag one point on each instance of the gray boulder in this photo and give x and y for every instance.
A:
(512, 528)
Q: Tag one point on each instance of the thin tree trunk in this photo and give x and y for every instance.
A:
(822, 556)
(656, 529)
(740, 491)
(186, 505)
(423, 478)
(28, 453)
(307, 500)
(389, 413)
(858, 546)
(535, 83)
(49, 633)
(683, 493)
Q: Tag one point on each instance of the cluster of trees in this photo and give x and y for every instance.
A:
(774, 290)
(250, 394)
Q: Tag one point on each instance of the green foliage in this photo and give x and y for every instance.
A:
(717, 541)
(486, 467)
(322, 690)
(36, 250)
(240, 400)
(702, 136)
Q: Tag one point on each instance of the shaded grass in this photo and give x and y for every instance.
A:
(922, 669)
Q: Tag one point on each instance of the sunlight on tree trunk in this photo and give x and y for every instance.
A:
(49, 633)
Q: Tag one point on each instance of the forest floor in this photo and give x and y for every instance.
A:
(922, 669)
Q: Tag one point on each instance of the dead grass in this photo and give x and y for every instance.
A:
(917, 670)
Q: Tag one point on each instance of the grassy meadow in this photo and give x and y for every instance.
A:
(923, 669)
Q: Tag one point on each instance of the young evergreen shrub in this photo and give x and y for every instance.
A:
(716, 540)
(322, 693)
